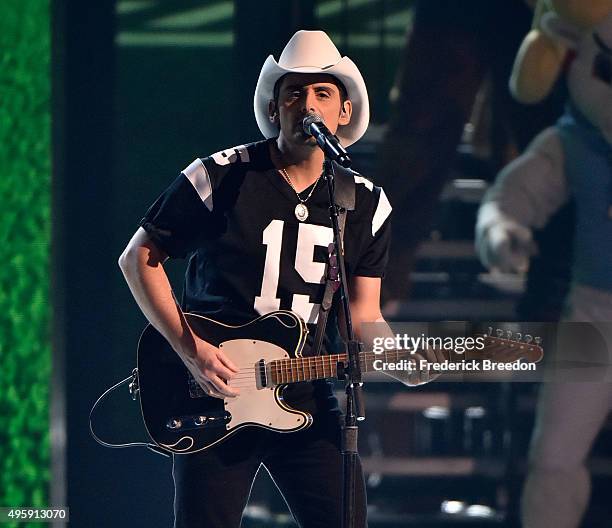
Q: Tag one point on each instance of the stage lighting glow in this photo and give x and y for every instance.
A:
(475, 412)
(452, 506)
(479, 510)
(436, 412)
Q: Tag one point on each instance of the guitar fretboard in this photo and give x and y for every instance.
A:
(319, 367)
(293, 370)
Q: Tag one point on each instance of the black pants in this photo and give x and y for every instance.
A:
(212, 487)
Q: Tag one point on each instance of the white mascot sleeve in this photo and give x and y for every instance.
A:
(526, 194)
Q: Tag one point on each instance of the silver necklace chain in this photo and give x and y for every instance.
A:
(301, 211)
(302, 200)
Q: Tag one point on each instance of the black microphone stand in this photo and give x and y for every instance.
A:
(355, 410)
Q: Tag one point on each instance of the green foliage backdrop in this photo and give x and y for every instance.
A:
(25, 196)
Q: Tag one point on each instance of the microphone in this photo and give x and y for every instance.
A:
(314, 125)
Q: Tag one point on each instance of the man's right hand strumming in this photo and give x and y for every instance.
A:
(210, 367)
(142, 265)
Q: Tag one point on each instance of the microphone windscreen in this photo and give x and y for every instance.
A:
(309, 120)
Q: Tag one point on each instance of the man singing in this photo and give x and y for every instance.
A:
(254, 222)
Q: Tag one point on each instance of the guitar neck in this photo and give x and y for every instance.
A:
(320, 367)
(503, 350)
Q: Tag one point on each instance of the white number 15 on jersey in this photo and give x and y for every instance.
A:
(309, 236)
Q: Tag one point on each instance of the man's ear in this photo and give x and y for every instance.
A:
(272, 112)
(346, 110)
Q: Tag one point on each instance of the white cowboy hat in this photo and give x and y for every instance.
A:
(313, 52)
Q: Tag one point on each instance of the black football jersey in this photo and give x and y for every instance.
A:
(232, 214)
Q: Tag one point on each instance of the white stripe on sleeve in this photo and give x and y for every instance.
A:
(383, 210)
(365, 181)
(197, 174)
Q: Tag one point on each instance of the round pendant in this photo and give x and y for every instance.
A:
(301, 212)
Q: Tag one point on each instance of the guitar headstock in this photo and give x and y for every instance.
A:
(507, 346)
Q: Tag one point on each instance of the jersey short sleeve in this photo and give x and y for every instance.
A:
(376, 233)
(185, 216)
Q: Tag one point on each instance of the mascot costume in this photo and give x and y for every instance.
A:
(570, 159)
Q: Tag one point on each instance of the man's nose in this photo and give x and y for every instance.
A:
(309, 102)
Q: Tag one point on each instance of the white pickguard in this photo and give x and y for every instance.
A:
(258, 405)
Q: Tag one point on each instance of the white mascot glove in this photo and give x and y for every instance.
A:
(501, 242)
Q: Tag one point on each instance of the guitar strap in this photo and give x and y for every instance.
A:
(345, 200)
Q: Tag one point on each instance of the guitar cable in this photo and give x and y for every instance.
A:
(134, 392)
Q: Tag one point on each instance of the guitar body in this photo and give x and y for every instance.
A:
(181, 418)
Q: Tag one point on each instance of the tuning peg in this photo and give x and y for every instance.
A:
(490, 331)
(508, 334)
(518, 336)
(499, 332)
(528, 338)
(538, 340)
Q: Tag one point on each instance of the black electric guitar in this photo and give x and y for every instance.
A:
(181, 418)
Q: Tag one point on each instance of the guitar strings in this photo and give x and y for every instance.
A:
(302, 365)
(309, 364)
(289, 370)
(294, 368)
